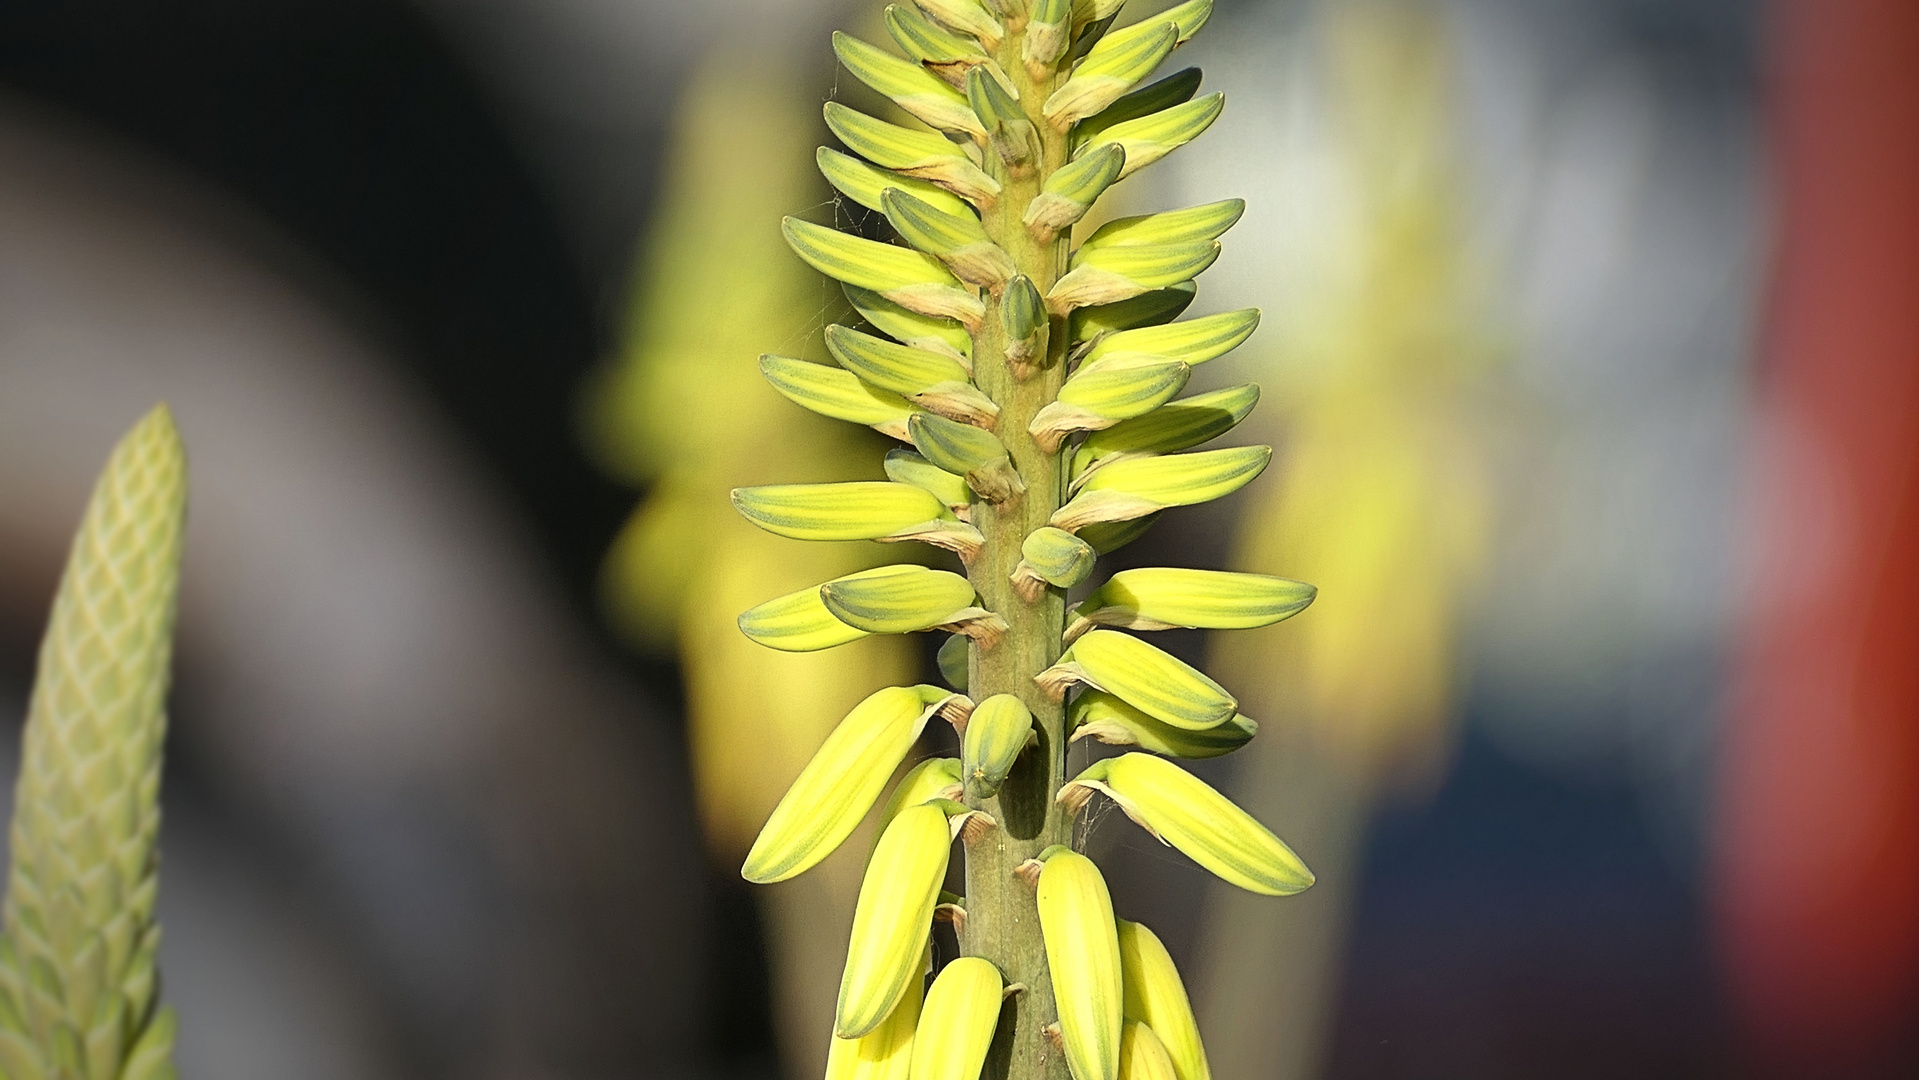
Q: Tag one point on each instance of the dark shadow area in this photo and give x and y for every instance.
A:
(1523, 927)
(352, 126)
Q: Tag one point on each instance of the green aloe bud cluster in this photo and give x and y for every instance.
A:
(1036, 383)
(79, 988)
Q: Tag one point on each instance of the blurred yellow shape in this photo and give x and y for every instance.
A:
(1378, 496)
(684, 411)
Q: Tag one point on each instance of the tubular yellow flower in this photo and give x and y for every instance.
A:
(1037, 382)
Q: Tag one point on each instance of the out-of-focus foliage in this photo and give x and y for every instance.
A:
(685, 412)
(1379, 494)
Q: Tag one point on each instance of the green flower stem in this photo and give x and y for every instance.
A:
(1002, 923)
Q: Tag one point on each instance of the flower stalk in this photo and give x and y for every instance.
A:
(997, 350)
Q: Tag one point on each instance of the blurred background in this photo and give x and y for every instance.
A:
(1591, 353)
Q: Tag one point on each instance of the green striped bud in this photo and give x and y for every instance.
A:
(1180, 809)
(904, 599)
(969, 451)
(999, 729)
(1105, 718)
(1147, 309)
(1071, 192)
(913, 88)
(864, 183)
(1175, 89)
(958, 240)
(1129, 487)
(1109, 70)
(910, 327)
(842, 781)
(1099, 397)
(1148, 138)
(931, 380)
(944, 53)
(1176, 425)
(1156, 997)
(1011, 135)
(907, 467)
(1194, 341)
(1082, 951)
(920, 154)
(1050, 556)
(1152, 681)
(956, 1027)
(1195, 224)
(837, 393)
(911, 279)
(1022, 314)
(1110, 274)
(860, 510)
(965, 17)
(1164, 598)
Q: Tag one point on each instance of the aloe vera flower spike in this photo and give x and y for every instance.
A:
(79, 986)
(997, 349)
